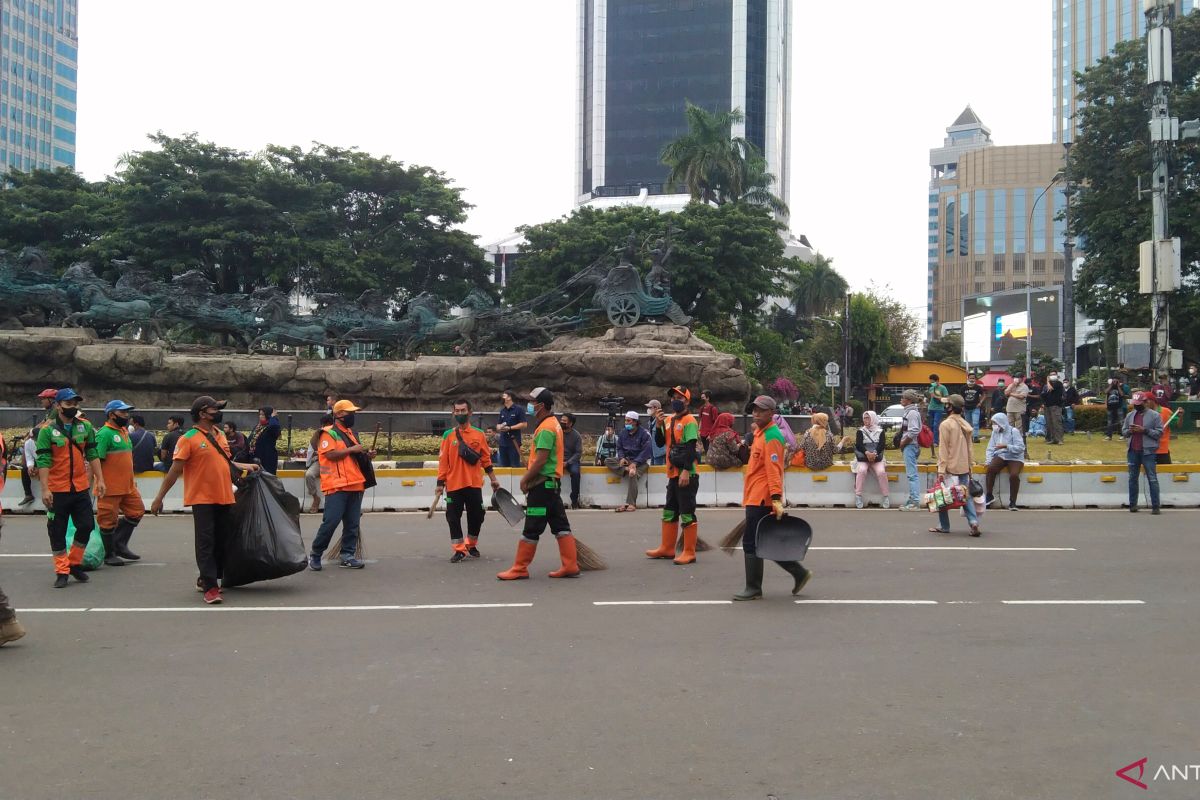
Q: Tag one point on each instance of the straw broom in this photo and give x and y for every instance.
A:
(733, 538)
(334, 552)
(587, 558)
(701, 545)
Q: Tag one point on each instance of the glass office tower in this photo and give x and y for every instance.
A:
(39, 61)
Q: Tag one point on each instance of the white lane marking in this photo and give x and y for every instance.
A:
(165, 609)
(995, 549)
(663, 603)
(25, 555)
(1073, 602)
(867, 602)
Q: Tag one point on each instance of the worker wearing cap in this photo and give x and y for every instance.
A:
(121, 508)
(762, 495)
(46, 396)
(1143, 429)
(679, 433)
(66, 458)
(343, 484)
(460, 476)
(544, 505)
(202, 459)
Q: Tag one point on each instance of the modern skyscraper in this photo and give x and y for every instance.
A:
(993, 218)
(1084, 32)
(39, 60)
(641, 61)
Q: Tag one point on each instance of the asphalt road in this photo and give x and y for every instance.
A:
(543, 693)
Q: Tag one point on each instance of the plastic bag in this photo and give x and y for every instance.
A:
(266, 543)
(93, 555)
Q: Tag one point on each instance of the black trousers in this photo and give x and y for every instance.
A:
(1115, 418)
(754, 515)
(6, 609)
(681, 500)
(1162, 458)
(545, 507)
(213, 525)
(470, 499)
(75, 506)
(26, 481)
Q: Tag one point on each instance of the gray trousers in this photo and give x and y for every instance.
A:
(312, 482)
(631, 483)
(6, 610)
(1054, 424)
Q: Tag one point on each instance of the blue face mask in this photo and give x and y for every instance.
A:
(628, 427)
(529, 409)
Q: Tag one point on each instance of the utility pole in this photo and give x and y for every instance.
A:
(1158, 256)
(1068, 309)
(846, 357)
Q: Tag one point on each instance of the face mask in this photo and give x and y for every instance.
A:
(529, 409)
(70, 413)
(461, 419)
(217, 417)
(677, 406)
(628, 427)
(122, 421)
(348, 420)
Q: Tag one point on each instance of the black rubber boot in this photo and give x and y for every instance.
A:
(754, 578)
(111, 559)
(797, 571)
(121, 540)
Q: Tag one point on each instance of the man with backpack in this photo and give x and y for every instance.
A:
(462, 460)
(1114, 404)
(909, 444)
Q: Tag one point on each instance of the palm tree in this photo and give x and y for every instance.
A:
(817, 288)
(716, 167)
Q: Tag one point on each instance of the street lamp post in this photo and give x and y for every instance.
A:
(844, 326)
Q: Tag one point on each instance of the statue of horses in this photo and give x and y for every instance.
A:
(281, 326)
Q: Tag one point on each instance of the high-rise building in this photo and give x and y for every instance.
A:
(641, 61)
(994, 219)
(39, 62)
(1084, 32)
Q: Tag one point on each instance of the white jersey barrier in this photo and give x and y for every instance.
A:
(1042, 486)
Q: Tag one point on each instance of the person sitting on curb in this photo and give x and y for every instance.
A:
(633, 458)
(870, 442)
(1005, 452)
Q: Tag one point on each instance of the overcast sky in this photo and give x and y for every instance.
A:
(485, 92)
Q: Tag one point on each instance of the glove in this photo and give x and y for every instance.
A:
(777, 507)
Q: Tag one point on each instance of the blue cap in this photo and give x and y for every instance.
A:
(66, 394)
(117, 405)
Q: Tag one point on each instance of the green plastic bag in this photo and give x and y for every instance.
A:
(93, 556)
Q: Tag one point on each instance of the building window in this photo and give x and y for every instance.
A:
(978, 287)
(998, 265)
(999, 286)
(1019, 220)
(1039, 266)
(999, 220)
(1019, 264)
(1058, 266)
(980, 239)
(1038, 284)
(978, 267)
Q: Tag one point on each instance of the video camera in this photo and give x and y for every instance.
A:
(613, 405)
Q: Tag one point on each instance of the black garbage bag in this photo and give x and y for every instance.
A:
(266, 543)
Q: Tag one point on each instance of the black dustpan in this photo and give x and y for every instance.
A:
(508, 507)
(785, 539)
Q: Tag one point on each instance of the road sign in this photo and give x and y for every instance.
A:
(832, 368)
(833, 380)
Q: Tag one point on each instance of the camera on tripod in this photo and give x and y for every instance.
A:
(613, 405)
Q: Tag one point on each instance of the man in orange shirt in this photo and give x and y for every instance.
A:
(460, 476)
(66, 456)
(343, 484)
(762, 494)
(121, 508)
(1158, 399)
(202, 458)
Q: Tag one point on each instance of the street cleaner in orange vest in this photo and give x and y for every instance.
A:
(762, 494)
(66, 457)
(121, 508)
(544, 505)
(679, 433)
(343, 484)
(463, 459)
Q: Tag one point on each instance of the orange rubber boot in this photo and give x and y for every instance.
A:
(567, 551)
(670, 530)
(520, 568)
(691, 532)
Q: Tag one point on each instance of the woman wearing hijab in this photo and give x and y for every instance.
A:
(1005, 451)
(868, 457)
(723, 444)
(818, 444)
(789, 438)
(955, 438)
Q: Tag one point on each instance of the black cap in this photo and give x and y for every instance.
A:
(204, 401)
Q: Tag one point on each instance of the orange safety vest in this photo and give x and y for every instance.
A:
(343, 473)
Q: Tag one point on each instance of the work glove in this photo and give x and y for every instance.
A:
(777, 507)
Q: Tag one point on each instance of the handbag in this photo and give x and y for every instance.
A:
(976, 488)
(464, 450)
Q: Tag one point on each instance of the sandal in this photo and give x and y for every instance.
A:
(621, 509)
(975, 530)
(937, 530)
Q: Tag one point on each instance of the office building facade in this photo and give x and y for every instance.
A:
(993, 219)
(1084, 32)
(39, 63)
(642, 61)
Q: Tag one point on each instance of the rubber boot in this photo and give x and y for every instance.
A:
(125, 530)
(691, 532)
(754, 578)
(111, 559)
(570, 562)
(670, 530)
(798, 571)
(520, 568)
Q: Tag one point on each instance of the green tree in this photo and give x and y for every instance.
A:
(1106, 162)
(817, 288)
(1043, 363)
(947, 349)
(870, 341)
(56, 211)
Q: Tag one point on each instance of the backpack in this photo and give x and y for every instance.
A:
(1113, 400)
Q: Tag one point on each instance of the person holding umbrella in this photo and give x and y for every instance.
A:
(762, 496)
(462, 460)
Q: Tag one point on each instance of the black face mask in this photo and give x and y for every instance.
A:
(122, 422)
(677, 406)
(70, 413)
(348, 420)
(217, 417)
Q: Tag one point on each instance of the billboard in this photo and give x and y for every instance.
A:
(997, 327)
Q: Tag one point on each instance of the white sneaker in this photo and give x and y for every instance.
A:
(887, 501)
(858, 501)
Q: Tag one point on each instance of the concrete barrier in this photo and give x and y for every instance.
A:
(1042, 486)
